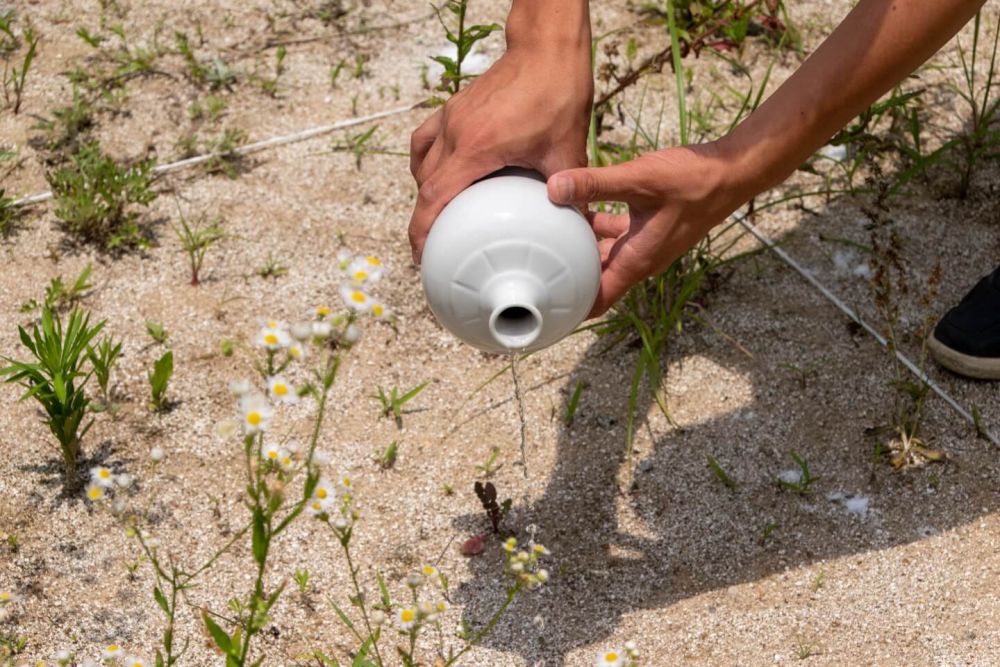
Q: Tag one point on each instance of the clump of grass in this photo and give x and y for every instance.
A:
(386, 458)
(271, 268)
(56, 378)
(95, 198)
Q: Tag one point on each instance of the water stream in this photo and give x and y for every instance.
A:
(519, 399)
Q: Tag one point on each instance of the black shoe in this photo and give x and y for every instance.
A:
(967, 339)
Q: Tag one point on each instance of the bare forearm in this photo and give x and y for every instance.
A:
(876, 46)
(561, 27)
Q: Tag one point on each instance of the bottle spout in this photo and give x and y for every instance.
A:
(515, 326)
(515, 320)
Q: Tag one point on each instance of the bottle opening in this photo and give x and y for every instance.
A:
(516, 327)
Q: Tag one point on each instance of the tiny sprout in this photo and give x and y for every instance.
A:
(156, 331)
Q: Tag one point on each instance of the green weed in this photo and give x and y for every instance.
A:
(720, 474)
(15, 73)
(464, 38)
(103, 359)
(805, 477)
(61, 297)
(157, 332)
(56, 379)
(159, 380)
(574, 402)
(392, 401)
(196, 238)
(489, 467)
(386, 458)
(95, 198)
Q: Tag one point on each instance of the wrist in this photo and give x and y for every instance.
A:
(559, 28)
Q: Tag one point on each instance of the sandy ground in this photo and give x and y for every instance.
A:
(871, 567)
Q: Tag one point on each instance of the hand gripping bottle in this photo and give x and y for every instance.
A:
(506, 270)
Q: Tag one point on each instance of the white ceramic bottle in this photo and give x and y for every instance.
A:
(504, 269)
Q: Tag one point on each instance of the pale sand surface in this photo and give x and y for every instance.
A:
(654, 549)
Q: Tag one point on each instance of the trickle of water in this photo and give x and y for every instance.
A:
(519, 399)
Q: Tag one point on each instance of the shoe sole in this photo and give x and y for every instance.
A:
(980, 368)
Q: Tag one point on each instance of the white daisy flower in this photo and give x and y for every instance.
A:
(325, 492)
(344, 483)
(609, 658)
(542, 576)
(285, 460)
(355, 298)
(273, 339)
(280, 391)
(271, 452)
(102, 476)
(273, 325)
(257, 413)
(315, 508)
(363, 272)
(379, 310)
(7, 597)
(94, 491)
(156, 454)
(440, 607)
(406, 617)
(239, 387)
(431, 574)
(426, 609)
(297, 351)
(111, 651)
(132, 661)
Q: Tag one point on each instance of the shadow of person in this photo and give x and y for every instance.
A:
(627, 536)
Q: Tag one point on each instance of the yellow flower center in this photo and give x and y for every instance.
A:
(374, 261)
(254, 418)
(361, 275)
(611, 657)
(280, 389)
(317, 507)
(378, 310)
(407, 615)
(346, 481)
(272, 325)
(112, 648)
(104, 473)
(4, 596)
(323, 311)
(321, 493)
(358, 297)
(273, 455)
(295, 352)
(428, 570)
(95, 493)
(271, 339)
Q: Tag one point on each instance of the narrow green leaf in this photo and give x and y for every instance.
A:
(218, 634)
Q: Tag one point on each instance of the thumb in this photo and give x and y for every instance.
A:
(583, 186)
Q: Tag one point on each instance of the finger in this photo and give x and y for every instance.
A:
(430, 163)
(423, 138)
(619, 182)
(609, 225)
(621, 269)
(453, 176)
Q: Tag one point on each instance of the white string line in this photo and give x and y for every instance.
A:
(250, 148)
(903, 359)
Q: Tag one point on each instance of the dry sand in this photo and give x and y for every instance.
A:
(872, 567)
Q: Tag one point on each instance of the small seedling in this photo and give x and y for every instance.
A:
(67, 125)
(159, 378)
(357, 144)
(103, 358)
(448, 489)
(386, 458)
(56, 378)
(157, 331)
(490, 465)
(272, 268)
(196, 238)
(487, 494)
(335, 71)
(225, 159)
(12, 543)
(805, 476)
(226, 348)
(767, 532)
(574, 402)
(393, 402)
(59, 297)
(464, 38)
(15, 74)
(270, 85)
(93, 198)
(818, 581)
(721, 474)
(301, 579)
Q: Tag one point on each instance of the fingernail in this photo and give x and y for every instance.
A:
(563, 186)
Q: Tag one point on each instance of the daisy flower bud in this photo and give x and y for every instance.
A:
(510, 544)
(239, 387)
(542, 576)
(226, 429)
(156, 454)
(63, 657)
(124, 480)
(302, 330)
(352, 334)
(377, 617)
(322, 329)
(414, 580)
